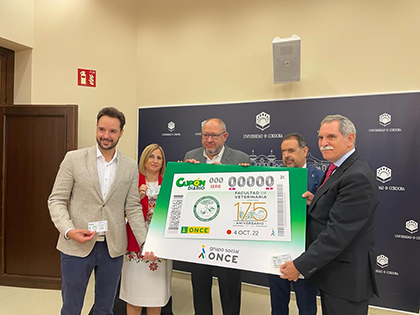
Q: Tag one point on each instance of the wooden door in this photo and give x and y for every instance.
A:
(7, 67)
(36, 138)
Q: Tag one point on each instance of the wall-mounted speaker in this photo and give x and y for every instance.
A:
(286, 59)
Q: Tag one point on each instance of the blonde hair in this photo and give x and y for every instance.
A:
(145, 155)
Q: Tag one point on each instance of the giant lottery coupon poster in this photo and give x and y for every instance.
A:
(243, 217)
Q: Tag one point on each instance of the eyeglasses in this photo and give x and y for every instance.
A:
(210, 135)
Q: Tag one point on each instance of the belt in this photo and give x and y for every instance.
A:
(101, 238)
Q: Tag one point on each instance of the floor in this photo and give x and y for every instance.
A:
(255, 300)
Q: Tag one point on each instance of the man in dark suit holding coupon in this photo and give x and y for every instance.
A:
(294, 151)
(214, 151)
(340, 257)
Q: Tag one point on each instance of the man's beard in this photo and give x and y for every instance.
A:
(112, 144)
(290, 161)
(214, 151)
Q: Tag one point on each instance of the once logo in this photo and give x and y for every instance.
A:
(383, 174)
(382, 261)
(203, 252)
(384, 119)
(195, 230)
(411, 226)
(206, 208)
(224, 257)
(171, 126)
(262, 121)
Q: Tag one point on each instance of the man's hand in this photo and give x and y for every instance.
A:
(309, 196)
(289, 271)
(193, 161)
(81, 236)
(243, 164)
(142, 191)
(150, 256)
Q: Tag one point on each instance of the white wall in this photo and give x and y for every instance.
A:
(94, 34)
(167, 52)
(17, 33)
(220, 51)
(17, 22)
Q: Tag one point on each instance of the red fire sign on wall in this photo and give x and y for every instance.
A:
(86, 77)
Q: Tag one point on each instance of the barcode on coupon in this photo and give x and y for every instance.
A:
(175, 213)
(280, 210)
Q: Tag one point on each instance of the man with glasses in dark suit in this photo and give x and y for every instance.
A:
(215, 151)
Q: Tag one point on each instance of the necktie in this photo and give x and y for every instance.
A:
(330, 170)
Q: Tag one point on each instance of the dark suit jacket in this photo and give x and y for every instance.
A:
(314, 178)
(230, 156)
(340, 258)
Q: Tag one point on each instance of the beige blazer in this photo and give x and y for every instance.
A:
(76, 200)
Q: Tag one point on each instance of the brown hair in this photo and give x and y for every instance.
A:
(112, 112)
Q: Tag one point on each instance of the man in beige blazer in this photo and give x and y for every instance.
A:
(95, 189)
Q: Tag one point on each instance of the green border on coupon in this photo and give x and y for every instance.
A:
(297, 186)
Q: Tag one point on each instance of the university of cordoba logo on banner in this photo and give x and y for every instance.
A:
(262, 121)
(382, 261)
(383, 174)
(171, 126)
(384, 119)
(411, 226)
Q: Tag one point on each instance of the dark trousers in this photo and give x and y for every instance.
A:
(280, 296)
(333, 305)
(75, 273)
(229, 288)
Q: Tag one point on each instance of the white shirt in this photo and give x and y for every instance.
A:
(343, 158)
(106, 171)
(216, 159)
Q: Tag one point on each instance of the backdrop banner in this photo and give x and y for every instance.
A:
(388, 136)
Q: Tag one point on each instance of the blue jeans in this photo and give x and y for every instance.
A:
(75, 273)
